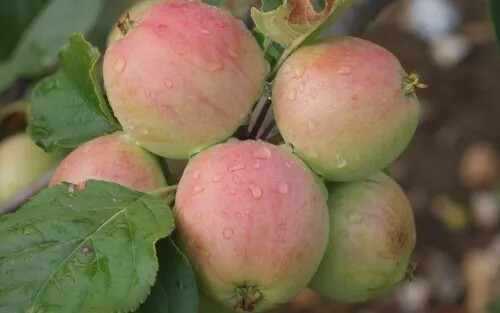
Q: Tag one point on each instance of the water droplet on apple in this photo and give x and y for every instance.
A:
(228, 232)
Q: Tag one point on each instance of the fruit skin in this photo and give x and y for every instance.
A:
(184, 78)
(252, 219)
(114, 158)
(208, 306)
(135, 13)
(347, 94)
(372, 236)
(21, 163)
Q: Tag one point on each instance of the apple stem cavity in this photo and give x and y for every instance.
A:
(411, 83)
(248, 297)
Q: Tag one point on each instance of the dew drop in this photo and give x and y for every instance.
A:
(214, 66)
(236, 167)
(196, 175)
(282, 226)
(283, 187)
(355, 217)
(145, 131)
(299, 71)
(256, 191)
(236, 179)
(314, 93)
(262, 153)
(205, 31)
(198, 18)
(256, 165)
(232, 191)
(340, 161)
(287, 164)
(168, 83)
(311, 125)
(228, 232)
(385, 100)
(200, 215)
(180, 284)
(292, 95)
(217, 178)
(147, 93)
(220, 24)
(120, 66)
(224, 215)
(344, 70)
(86, 250)
(197, 190)
(302, 86)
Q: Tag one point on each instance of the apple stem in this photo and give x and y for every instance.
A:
(125, 25)
(411, 83)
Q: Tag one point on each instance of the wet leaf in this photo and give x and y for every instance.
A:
(68, 108)
(81, 250)
(35, 30)
(175, 288)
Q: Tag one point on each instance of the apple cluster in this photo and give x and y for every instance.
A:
(260, 222)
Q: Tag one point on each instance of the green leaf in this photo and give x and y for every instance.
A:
(272, 50)
(217, 3)
(495, 15)
(36, 49)
(68, 108)
(318, 5)
(270, 5)
(81, 250)
(15, 16)
(175, 288)
(290, 34)
(494, 306)
(277, 25)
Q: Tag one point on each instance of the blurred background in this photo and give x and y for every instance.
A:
(451, 170)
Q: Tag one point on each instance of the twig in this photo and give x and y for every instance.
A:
(261, 115)
(26, 193)
(268, 129)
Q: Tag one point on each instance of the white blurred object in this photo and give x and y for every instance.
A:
(412, 296)
(480, 268)
(438, 22)
(450, 50)
(485, 210)
(443, 275)
(432, 20)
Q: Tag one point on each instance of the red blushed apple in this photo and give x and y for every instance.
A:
(114, 158)
(253, 221)
(347, 107)
(184, 77)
